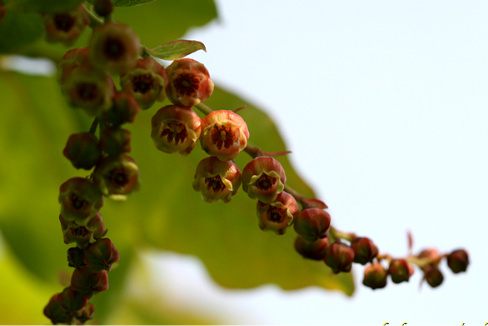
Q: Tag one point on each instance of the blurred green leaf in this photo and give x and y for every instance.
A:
(18, 30)
(44, 6)
(176, 49)
(126, 3)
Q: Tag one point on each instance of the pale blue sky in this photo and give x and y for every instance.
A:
(385, 107)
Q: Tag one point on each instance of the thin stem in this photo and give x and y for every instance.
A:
(349, 236)
(93, 127)
(94, 19)
(205, 109)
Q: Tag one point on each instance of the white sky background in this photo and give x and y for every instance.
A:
(384, 105)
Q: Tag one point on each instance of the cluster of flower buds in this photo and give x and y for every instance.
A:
(85, 76)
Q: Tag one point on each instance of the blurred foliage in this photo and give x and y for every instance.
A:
(166, 214)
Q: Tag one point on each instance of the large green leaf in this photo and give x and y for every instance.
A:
(18, 30)
(44, 6)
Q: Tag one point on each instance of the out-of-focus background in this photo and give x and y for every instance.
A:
(384, 107)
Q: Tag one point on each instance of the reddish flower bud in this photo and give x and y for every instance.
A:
(56, 312)
(224, 134)
(71, 300)
(88, 89)
(117, 176)
(400, 270)
(175, 129)
(101, 255)
(189, 82)
(82, 150)
(458, 261)
(71, 59)
(433, 276)
(115, 141)
(147, 82)
(85, 313)
(364, 250)
(124, 109)
(83, 235)
(75, 257)
(312, 224)
(88, 282)
(66, 26)
(103, 8)
(278, 215)
(311, 249)
(339, 257)
(80, 200)
(263, 178)
(217, 180)
(114, 47)
(375, 276)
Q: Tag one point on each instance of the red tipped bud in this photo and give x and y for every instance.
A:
(88, 89)
(101, 255)
(147, 82)
(82, 235)
(364, 250)
(263, 178)
(80, 200)
(278, 215)
(71, 59)
(103, 8)
(114, 47)
(224, 134)
(400, 270)
(75, 257)
(217, 180)
(189, 82)
(312, 250)
(312, 224)
(124, 109)
(89, 282)
(115, 141)
(339, 257)
(82, 150)
(66, 26)
(458, 261)
(175, 129)
(375, 276)
(117, 176)
(433, 276)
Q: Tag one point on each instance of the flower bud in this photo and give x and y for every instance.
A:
(433, 276)
(278, 215)
(88, 89)
(101, 255)
(312, 224)
(217, 180)
(85, 313)
(88, 282)
(147, 82)
(311, 249)
(117, 176)
(82, 150)
(71, 59)
(124, 109)
(82, 235)
(114, 47)
(66, 26)
(175, 129)
(458, 261)
(62, 307)
(115, 141)
(189, 82)
(400, 270)
(224, 134)
(263, 178)
(80, 200)
(375, 276)
(339, 257)
(103, 8)
(364, 250)
(75, 257)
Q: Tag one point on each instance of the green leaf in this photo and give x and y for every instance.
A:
(18, 30)
(44, 6)
(176, 49)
